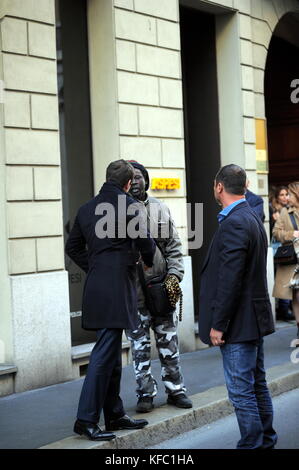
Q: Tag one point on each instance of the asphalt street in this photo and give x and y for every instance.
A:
(224, 434)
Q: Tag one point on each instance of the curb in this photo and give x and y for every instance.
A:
(166, 421)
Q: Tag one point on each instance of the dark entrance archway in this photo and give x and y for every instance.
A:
(199, 70)
(282, 112)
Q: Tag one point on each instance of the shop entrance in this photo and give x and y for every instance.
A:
(201, 119)
(75, 137)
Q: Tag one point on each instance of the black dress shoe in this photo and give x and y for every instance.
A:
(92, 431)
(126, 423)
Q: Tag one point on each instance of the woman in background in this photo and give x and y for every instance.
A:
(285, 232)
(279, 200)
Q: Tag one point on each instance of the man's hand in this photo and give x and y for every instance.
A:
(216, 337)
(145, 267)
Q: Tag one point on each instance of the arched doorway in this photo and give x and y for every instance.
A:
(282, 109)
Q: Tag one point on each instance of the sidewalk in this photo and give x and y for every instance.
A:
(36, 418)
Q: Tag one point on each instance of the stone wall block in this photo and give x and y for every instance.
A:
(171, 94)
(19, 183)
(25, 73)
(139, 89)
(14, 36)
(128, 119)
(167, 9)
(42, 41)
(32, 147)
(125, 55)
(34, 219)
(44, 111)
(160, 122)
(173, 152)
(47, 183)
(17, 109)
(156, 61)
(143, 149)
(41, 10)
(168, 34)
(135, 27)
(22, 256)
(50, 253)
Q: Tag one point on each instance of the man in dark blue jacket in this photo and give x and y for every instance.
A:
(256, 203)
(235, 310)
(102, 244)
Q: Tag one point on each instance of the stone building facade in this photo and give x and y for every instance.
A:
(136, 94)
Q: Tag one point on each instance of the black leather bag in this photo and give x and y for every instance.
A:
(286, 254)
(155, 293)
(156, 297)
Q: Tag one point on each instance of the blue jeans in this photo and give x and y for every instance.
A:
(248, 392)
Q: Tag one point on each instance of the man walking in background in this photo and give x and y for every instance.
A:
(235, 311)
(256, 202)
(109, 298)
(168, 260)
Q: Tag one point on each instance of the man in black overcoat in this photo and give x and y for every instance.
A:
(102, 244)
(235, 311)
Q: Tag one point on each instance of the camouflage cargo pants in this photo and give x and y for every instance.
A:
(165, 331)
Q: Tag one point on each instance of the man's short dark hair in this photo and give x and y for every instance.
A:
(120, 172)
(233, 178)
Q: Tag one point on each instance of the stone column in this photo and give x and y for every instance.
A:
(37, 314)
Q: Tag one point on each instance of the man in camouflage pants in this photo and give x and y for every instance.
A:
(168, 259)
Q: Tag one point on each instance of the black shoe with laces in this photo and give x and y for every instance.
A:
(126, 423)
(180, 400)
(92, 431)
(144, 404)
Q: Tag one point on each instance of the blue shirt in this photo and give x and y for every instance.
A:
(224, 213)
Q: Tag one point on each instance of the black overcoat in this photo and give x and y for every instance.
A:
(234, 296)
(109, 296)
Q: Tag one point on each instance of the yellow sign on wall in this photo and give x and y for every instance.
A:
(261, 146)
(165, 183)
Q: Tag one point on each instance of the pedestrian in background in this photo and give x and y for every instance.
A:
(286, 230)
(279, 200)
(109, 299)
(256, 203)
(235, 310)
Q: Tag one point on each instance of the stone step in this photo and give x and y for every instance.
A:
(7, 372)
(81, 354)
(6, 369)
